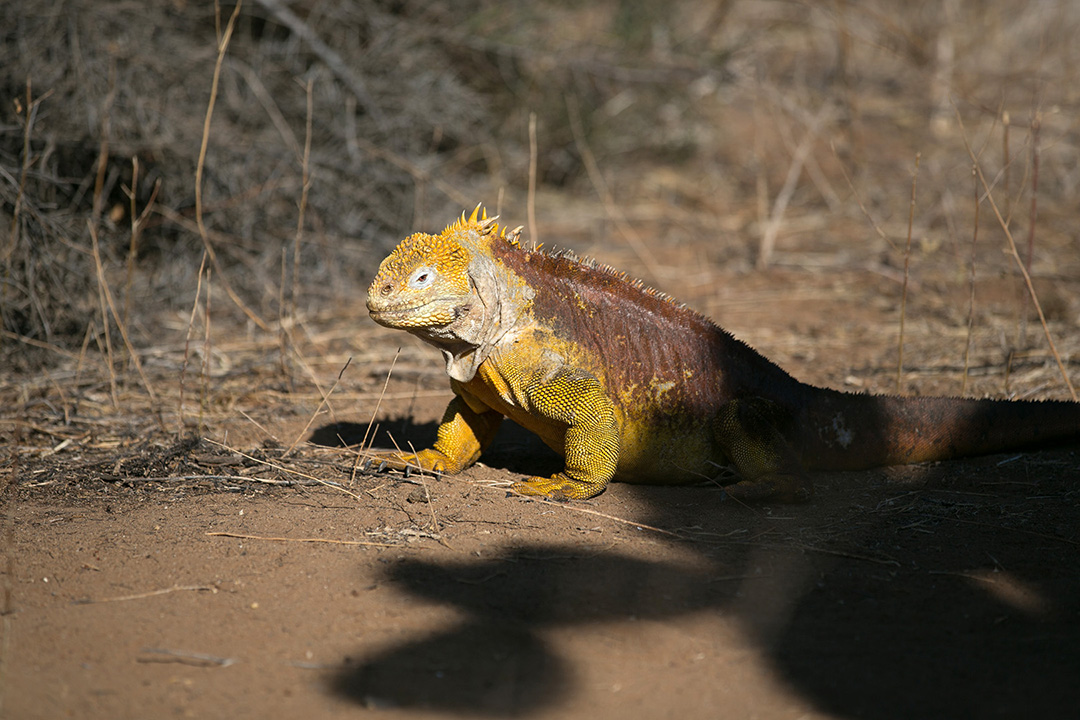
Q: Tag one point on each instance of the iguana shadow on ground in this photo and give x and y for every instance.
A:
(926, 617)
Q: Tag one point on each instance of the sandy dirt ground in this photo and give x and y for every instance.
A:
(150, 577)
(184, 528)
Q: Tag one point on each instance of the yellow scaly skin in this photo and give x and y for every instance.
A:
(627, 384)
(497, 364)
(504, 361)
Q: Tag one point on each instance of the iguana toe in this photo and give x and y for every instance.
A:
(558, 487)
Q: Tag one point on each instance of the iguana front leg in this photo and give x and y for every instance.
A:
(463, 434)
(591, 442)
(771, 470)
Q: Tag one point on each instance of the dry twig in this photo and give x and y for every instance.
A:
(363, 543)
(152, 593)
(223, 45)
(185, 657)
(907, 266)
(768, 237)
(530, 200)
(290, 471)
(106, 294)
(1016, 256)
(325, 401)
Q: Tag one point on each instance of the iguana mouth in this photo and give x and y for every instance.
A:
(388, 316)
(427, 310)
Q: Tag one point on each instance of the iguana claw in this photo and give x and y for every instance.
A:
(558, 487)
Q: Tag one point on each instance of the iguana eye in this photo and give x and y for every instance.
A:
(421, 278)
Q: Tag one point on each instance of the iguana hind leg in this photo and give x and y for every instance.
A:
(771, 470)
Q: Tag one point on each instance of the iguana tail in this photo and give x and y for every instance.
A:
(845, 431)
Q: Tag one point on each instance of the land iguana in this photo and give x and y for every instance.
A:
(627, 384)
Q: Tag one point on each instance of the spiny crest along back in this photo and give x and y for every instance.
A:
(484, 225)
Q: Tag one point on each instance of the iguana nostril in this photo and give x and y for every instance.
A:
(386, 289)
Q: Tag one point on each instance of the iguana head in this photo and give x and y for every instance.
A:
(448, 289)
(423, 283)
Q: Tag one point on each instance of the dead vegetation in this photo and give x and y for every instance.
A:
(858, 189)
(196, 201)
(196, 198)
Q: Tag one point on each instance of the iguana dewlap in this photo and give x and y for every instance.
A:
(627, 384)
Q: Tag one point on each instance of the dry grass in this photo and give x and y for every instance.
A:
(196, 196)
(687, 147)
